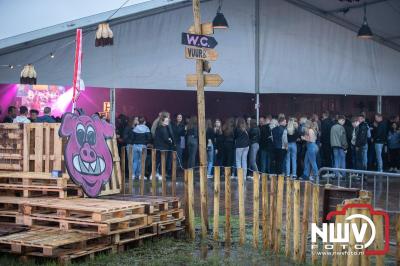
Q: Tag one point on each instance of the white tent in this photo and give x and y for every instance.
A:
(300, 51)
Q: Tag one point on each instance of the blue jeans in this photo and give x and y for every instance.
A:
(291, 159)
(210, 159)
(265, 161)
(339, 160)
(137, 159)
(241, 158)
(362, 157)
(378, 152)
(310, 160)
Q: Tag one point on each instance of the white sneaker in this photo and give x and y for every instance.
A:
(233, 177)
(209, 176)
(250, 177)
(158, 177)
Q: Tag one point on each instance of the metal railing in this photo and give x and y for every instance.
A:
(361, 179)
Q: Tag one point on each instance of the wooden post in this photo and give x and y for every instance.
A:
(279, 208)
(185, 195)
(398, 238)
(154, 172)
(296, 220)
(163, 174)
(242, 215)
(203, 201)
(365, 260)
(272, 210)
(217, 188)
(379, 239)
(352, 259)
(227, 205)
(339, 259)
(130, 169)
(306, 212)
(315, 217)
(143, 167)
(289, 206)
(191, 204)
(173, 174)
(264, 207)
(256, 207)
(123, 162)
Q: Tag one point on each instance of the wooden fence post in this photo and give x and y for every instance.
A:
(272, 211)
(379, 239)
(398, 238)
(306, 212)
(264, 207)
(217, 188)
(279, 210)
(143, 168)
(227, 172)
(315, 217)
(130, 169)
(203, 199)
(365, 260)
(352, 259)
(341, 260)
(296, 220)
(163, 174)
(289, 206)
(242, 215)
(191, 204)
(173, 174)
(123, 162)
(153, 172)
(256, 207)
(185, 195)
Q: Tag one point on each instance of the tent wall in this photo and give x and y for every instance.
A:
(300, 53)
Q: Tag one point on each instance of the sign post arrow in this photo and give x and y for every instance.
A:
(198, 40)
(210, 80)
(200, 53)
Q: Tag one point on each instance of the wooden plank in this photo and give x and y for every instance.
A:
(337, 259)
(228, 229)
(353, 260)
(256, 207)
(210, 80)
(130, 169)
(379, 239)
(203, 202)
(206, 29)
(143, 170)
(305, 221)
(217, 188)
(272, 210)
(39, 147)
(279, 211)
(264, 211)
(315, 217)
(191, 204)
(365, 199)
(58, 154)
(26, 148)
(123, 158)
(163, 174)
(173, 174)
(47, 149)
(289, 220)
(242, 214)
(153, 172)
(296, 220)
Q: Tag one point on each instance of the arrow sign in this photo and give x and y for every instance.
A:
(198, 40)
(206, 29)
(210, 80)
(200, 53)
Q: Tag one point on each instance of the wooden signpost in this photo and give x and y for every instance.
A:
(210, 80)
(206, 29)
(198, 40)
(200, 53)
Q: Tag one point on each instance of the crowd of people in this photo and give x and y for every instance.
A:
(29, 116)
(293, 146)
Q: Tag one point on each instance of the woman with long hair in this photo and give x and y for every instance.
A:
(229, 141)
(192, 141)
(210, 140)
(242, 142)
(291, 155)
(254, 136)
(310, 159)
(219, 142)
(394, 147)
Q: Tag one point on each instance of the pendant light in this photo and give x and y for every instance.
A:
(104, 35)
(28, 75)
(365, 31)
(219, 21)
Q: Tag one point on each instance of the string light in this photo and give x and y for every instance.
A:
(52, 55)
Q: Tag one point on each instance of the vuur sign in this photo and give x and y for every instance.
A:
(198, 40)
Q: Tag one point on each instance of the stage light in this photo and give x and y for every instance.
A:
(219, 21)
(104, 35)
(28, 75)
(11, 66)
(365, 31)
(52, 55)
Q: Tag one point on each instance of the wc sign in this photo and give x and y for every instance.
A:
(339, 234)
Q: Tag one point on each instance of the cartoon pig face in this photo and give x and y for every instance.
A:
(87, 156)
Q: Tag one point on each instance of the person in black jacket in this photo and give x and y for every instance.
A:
(141, 137)
(242, 142)
(379, 137)
(279, 135)
(192, 134)
(229, 142)
(266, 145)
(163, 139)
(254, 135)
(178, 129)
(11, 114)
(291, 155)
(326, 150)
(361, 143)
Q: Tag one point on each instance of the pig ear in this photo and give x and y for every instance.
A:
(68, 124)
(106, 128)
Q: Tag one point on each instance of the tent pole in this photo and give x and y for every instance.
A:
(379, 104)
(112, 106)
(257, 58)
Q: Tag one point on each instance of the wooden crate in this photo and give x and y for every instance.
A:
(11, 146)
(43, 151)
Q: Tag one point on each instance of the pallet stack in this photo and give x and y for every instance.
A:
(11, 147)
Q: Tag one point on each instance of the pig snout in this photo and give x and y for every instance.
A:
(87, 154)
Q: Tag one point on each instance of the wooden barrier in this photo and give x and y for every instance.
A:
(11, 147)
(315, 217)
(173, 174)
(143, 170)
(256, 207)
(228, 229)
(203, 202)
(163, 174)
(130, 169)
(264, 207)
(379, 239)
(191, 204)
(154, 172)
(279, 210)
(242, 215)
(123, 169)
(217, 188)
(304, 231)
(289, 206)
(296, 220)
(272, 210)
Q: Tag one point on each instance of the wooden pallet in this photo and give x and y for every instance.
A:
(11, 228)
(169, 226)
(11, 139)
(49, 242)
(135, 235)
(71, 191)
(90, 253)
(87, 210)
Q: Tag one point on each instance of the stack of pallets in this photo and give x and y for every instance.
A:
(11, 147)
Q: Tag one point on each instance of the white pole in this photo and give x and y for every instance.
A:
(257, 58)
(112, 106)
(379, 104)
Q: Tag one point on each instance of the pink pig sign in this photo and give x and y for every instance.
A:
(88, 159)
